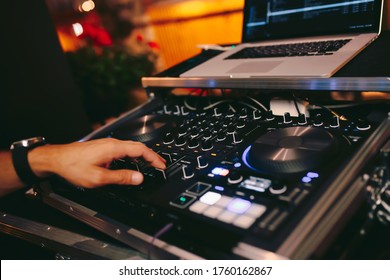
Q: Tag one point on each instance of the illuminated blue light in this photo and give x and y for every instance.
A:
(237, 164)
(239, 206)
(306, 179)
(312, 175)
(219, 188)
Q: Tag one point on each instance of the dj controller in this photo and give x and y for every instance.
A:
(238, 175)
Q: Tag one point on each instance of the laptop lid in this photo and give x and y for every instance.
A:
(279, 19)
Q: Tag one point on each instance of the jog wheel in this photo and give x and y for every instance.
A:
(144, 129)
(291, 150)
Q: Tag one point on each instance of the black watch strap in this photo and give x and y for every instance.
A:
(22, 167)
(19, 152)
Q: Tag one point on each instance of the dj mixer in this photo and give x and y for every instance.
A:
(241, 181)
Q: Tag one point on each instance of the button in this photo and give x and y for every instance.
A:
(224, 201)
(227, 217)
(198, 188)
(210, 198)
(198, 207)
(312, 175)
(212, 212)
(183, 201)
(239, 206)
(256, 210)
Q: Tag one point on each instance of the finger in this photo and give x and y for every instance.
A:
(119, 177)
(136, 149)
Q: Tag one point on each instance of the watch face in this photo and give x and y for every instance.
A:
(27, 143)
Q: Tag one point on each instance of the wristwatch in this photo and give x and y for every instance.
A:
(19, 152)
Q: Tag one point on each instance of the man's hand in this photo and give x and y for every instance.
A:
(85, 163)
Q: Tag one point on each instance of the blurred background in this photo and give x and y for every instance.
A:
(111, 44)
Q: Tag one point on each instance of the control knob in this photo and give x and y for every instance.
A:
(207, 145)
(168, 138)
(302, 119)
(243, 113)
(234, 177)
(256, 114)
(363, 125)
(287, 118)
(318, 120)
(270, 115)
(180, 141)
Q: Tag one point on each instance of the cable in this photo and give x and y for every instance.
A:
(215, 104)
(249, 105)
(258, 103)
(188, 106)
(296, 105)
(165, 229)
(341, 117)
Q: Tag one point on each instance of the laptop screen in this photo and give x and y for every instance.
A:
(276, 19)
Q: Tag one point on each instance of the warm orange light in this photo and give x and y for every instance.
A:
(179, 26)
(87, 6)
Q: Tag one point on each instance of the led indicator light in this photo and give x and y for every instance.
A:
(306, 179)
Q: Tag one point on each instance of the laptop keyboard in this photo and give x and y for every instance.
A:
(284, 50)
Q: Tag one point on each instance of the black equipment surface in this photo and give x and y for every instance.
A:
(235, 171)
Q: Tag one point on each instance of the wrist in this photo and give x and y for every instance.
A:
(40, 160)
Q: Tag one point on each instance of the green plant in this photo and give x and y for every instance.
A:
(106, 77)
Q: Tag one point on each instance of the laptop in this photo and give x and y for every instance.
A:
(291, 38)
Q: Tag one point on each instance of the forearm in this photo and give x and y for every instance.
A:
(9, 180)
